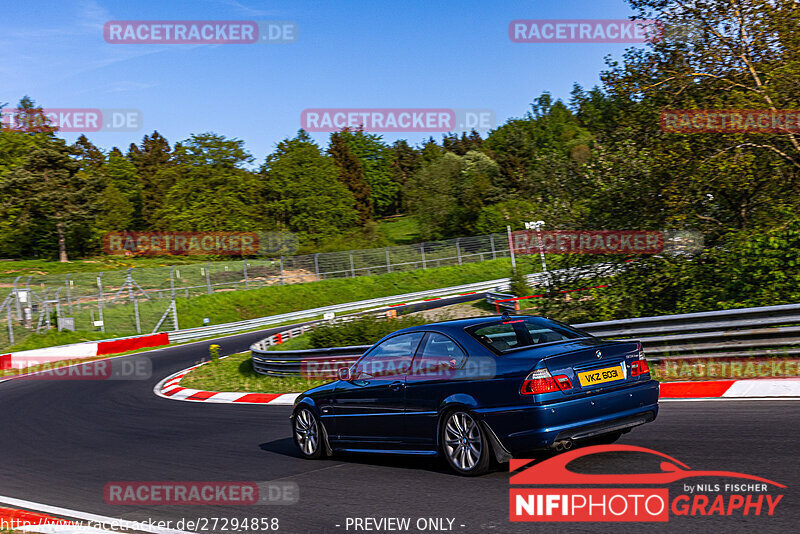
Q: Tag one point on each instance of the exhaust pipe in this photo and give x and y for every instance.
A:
(563, 445)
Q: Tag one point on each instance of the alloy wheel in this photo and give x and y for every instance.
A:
(306, 432)
(463, 442)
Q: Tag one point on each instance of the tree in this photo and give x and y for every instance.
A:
(302, 192)
(213, 150)
(152, 161)
(519, 284)
(115, 213)
(478, 186)
(205, 198)
(449, 194)
(126, 181)
(432, 195)
(549, 128)
(351, 174)
(743, 53)
(460, 146)
(211, 191)
(31, 119)
(376, 159)
(89, 156)
(738, 55)
(405, 161)
(47, 196)
(514, 212)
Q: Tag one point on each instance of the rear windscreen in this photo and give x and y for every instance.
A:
(510, 334)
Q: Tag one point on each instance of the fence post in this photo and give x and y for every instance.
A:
(316, 265)
(59, 313)
(100, 301)
(246, 281)
(29, 303)
(174, 304)
(208, 278)
(511, 248)
(69, 294)
(458, 250)
(388, 263)
(352, 266)
(16, 299)
(10, 326)
(283, 281)
(491, 241)
(422, 251)
(129, 283)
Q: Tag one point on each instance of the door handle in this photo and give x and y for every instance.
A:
(396, 386)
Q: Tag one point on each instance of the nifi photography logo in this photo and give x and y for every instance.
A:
(633, 497)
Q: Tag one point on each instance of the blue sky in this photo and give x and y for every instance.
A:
(349, 54)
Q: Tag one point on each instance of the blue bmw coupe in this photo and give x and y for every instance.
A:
(473, 390)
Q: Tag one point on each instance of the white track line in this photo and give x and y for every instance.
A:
(221, 397)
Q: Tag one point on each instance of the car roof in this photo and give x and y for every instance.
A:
(461, 324)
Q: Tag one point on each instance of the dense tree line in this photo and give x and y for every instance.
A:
(598, 161)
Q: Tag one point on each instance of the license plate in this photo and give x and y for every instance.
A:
(599, 376)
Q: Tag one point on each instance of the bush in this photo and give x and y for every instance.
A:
(363, 331)
(519, 286)
(213, 351)
(744, 270)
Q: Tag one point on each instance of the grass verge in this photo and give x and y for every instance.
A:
(235, 306)
(236, 373)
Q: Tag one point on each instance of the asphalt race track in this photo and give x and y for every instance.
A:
(62, 441)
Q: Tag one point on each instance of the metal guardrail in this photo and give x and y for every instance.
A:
(761, 331)
(295, 362)
(493, 297)
(379, 303)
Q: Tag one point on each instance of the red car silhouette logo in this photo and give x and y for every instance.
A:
(554, 470)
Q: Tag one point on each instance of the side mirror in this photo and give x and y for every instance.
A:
(344, 373)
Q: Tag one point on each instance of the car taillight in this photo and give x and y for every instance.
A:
(640, 367)
(541, 381)
(563, 382)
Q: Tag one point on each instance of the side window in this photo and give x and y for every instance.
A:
(390, 359)
(440, 357)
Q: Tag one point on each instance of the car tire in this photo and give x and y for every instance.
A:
(308, 434)
(463, 443)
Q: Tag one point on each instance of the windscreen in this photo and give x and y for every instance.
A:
(503, 335)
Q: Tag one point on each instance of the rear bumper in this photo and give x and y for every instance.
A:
(536, 426)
